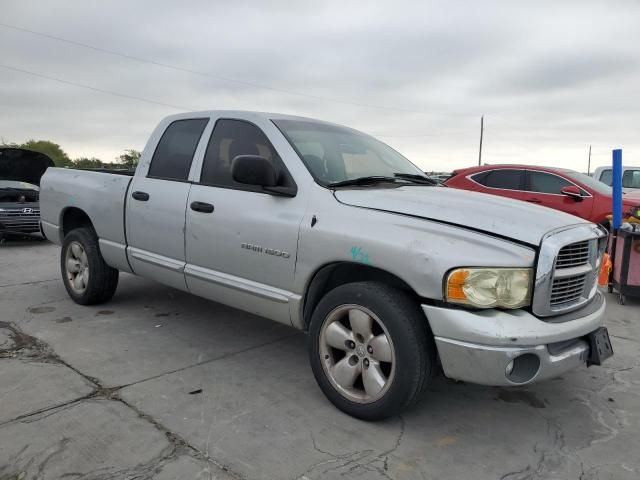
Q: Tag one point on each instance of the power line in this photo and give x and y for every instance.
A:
(205, 74)
(176, 107)
(95, 89)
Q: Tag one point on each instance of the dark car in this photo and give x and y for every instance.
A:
(20, 174)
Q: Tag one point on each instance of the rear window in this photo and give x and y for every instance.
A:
(174, 153)
(505, 179)
(606, 177)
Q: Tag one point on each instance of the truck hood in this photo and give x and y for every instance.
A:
(23, 165)
(499, 216)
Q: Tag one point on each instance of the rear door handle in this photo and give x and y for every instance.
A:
(202, 207)
(534, 200)
(142, 196)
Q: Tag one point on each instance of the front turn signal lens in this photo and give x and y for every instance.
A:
(490, 287)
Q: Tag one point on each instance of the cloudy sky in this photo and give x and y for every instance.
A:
(550, 77)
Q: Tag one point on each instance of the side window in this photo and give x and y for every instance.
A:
(229, 139)
(606, 177)
(174, 153)
(504, 178)
(631, 179)
(546, 183)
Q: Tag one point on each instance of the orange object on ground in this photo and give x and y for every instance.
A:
(605, 270)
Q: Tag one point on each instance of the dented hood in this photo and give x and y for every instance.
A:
(503, 217)
(23, 165)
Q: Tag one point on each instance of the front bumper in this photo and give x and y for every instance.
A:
(506, 348)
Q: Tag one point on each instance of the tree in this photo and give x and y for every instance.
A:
(84, 162)
(129, 159)
(50, 149)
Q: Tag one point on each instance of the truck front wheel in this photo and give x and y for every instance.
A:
(86, 276)
(371, 349)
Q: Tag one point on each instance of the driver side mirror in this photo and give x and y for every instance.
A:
(573, 192)
(253, 170)
(259, 171)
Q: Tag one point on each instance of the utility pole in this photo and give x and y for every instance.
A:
(481, 133)
(589, 163)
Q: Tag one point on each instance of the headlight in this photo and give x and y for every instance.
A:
(490, 287)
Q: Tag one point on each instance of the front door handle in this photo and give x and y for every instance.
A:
(142, 196)
(201, 207)
(534, 200)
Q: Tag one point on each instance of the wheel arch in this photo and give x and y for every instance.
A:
(71, 218)
(334, 274)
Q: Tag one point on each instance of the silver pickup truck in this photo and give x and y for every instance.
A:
(326, 229)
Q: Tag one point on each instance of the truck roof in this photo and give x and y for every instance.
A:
(246, 115)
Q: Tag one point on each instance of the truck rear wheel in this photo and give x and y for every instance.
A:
(371, 349)
(86, 276)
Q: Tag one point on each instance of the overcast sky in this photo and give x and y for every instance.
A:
(550, 77)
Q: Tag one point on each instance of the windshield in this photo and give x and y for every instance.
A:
(589, 182)
(336, 154)
(15, 185)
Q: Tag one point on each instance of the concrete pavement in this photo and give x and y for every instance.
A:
(161, 384)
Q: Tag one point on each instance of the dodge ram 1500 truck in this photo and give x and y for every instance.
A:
(327, 229)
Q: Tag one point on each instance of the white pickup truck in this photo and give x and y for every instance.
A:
(326, 229)
(630, 177)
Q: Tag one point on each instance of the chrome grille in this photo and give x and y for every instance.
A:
(567, 290)
(18, 220)
(20, 213)
(567, 269)
(573, 255)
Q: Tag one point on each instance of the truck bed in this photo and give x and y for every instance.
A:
(99, 194)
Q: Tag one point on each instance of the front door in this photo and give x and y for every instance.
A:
(240, 241)
(546, 189)
(155, 211)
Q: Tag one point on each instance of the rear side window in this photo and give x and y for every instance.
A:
(546, 183)
(606, 177)
(631, 179)
(229, 139)
(174, 153)
(505, 179)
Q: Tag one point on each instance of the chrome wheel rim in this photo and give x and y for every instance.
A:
(76, 267)
(357, 353)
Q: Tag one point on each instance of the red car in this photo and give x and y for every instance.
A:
(559, 188)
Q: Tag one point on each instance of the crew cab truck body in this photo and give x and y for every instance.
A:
(326, 229)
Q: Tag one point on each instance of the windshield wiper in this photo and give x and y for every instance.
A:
(417, 178)
(370, 180)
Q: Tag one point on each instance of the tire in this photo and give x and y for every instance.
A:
(340, 344)
(81, 257)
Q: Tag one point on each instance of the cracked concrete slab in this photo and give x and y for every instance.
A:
(151, 329)
(29, 387)
(92, 439)
(227, 390)
(189, 468)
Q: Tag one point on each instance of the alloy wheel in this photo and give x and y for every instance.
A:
(357, 353)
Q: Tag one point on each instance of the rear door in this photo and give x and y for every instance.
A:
(546, 189)
(241, 250)
(506, 182)
(157, 201)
